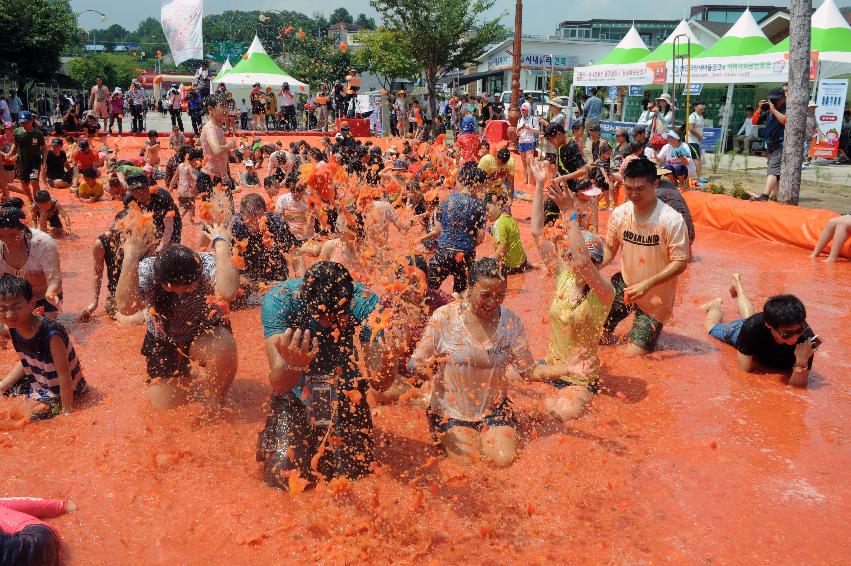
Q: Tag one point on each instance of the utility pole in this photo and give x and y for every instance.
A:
(514, 111)
(795, 137)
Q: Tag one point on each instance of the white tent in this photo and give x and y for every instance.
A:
(257, 67)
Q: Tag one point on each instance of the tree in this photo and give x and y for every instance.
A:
(384, 54)
(340, 16)
(441, 34)
(795, 137)
(365, 23)
(321, 62)
(110, 37)
(116, 69)
(35, 33)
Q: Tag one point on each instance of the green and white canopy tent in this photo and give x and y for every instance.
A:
(830, 37)
(743, 39)
(665, 52)
(630, 49)
(257, 67)
(225, 69)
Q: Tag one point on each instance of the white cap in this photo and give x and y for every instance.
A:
(671, 134)
(249, 163)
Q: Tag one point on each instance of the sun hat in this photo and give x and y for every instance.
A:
(666, 97)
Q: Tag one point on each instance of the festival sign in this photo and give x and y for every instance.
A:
(764, 68)
(831, 105)
(534, 60)
(181, 21)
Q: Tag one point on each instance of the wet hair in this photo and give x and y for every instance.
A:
(270, 181)
(13, 202)
(327, 284)
(485, 143)
(177, 265)
(494, 198)
(152, 133)
(12, 287)
(784, 310)
(252, 204)
(195, 153)
(551, 212)
(486, 268)
(317, 154)
(503, 155)
(11, 217)
(641, 168)
(41, 196)
(214, 100)
(89, 173)
(469, 174)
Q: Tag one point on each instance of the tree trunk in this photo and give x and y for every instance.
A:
(431, 79)
(796, 102)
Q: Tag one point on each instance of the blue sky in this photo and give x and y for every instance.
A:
(540, 16)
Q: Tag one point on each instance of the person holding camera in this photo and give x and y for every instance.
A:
(772, 112)
(777, 338)
(175, 106)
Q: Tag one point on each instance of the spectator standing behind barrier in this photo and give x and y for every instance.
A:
(772, 112)
(175, 106)
(592, 109)
(98, 97)
(746, 134)
(138, 104)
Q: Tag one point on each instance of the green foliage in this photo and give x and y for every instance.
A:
(340, 15)
(116, 69)
(384, 54)
(716, 189)
(35, 33)
(363, 22)
(740, 192)
(440, 35)
(321, 62)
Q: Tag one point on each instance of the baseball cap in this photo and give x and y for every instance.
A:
(55, 141)
(25, 116)
(83, 144)
(671, 134)
(468, 125)
(137, 181)
(776, 94)
(594, 128)
(344, 126)
(249, 163)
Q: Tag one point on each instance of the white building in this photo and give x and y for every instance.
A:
(541, 58)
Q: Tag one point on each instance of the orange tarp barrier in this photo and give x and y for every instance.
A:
(771, 221)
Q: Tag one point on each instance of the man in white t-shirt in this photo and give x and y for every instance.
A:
(694, 135)
(293, 207)
(654, 245)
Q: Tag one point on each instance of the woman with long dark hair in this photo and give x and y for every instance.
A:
(185, 297)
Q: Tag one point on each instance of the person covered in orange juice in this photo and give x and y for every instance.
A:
(48, 371)
(90, 188)
(580, 304)
(500, 171)
(467, 141)
(837, 231)
(778, 338)
(327, 342)
(26, 539)
(216, 148)
(653, 240)
(152, 149)
(184, 295)
(46, 210)
(158, 202)
(508, 248)
(184, 182)
(465, 351)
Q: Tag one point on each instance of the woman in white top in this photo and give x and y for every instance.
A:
(466, 349)
(664, 114)
(32, 255)
(528, 130)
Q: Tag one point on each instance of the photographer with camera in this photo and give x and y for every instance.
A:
(772, 112)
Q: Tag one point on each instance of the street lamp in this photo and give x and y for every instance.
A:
(103, 19)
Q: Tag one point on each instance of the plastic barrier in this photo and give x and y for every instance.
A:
(496, 131)
(771, 221)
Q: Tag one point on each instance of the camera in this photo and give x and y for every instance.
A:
(764, 106)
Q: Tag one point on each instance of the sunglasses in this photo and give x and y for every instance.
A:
(786, 334)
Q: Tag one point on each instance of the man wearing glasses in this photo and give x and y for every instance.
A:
(777, 338)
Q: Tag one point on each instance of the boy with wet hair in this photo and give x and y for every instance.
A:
(46, 211)
(777, 338)
(89, 189)
(48, 370)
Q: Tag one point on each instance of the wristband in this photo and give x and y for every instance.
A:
(215, 239)
(573, 216)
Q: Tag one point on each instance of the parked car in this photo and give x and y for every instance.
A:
(539, 100)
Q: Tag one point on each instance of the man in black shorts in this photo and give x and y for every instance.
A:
(159, 203)
(31, 151)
